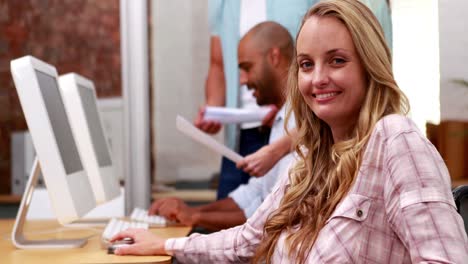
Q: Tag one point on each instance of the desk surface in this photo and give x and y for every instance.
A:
(90, 253)
(188, 195)
(10, 199)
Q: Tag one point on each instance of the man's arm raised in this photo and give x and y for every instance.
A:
(215, 87)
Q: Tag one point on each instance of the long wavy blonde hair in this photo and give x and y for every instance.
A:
(326, 170)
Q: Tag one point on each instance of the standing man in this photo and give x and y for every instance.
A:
(229, 20)
(264, 56)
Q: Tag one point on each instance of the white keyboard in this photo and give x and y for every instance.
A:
(141, 215)
(116, 225)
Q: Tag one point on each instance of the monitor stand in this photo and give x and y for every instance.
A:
(17, 235)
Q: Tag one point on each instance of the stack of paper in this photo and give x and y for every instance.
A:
(234, 115)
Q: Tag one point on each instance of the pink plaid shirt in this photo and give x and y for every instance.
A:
(399, 210)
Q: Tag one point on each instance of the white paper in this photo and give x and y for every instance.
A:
(188, 129)
(235, 115)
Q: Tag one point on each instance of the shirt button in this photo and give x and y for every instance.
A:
(359, 212)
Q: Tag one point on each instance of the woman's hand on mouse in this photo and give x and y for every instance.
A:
(145, 243)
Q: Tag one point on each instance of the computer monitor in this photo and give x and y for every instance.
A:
(80, 101)
(66, 180)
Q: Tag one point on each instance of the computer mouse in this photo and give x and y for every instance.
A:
(119, 243)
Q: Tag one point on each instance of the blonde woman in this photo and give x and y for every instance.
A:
(368, 186)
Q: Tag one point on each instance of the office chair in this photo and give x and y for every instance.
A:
(460, 195)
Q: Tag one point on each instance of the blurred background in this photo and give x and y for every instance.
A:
(85, 36)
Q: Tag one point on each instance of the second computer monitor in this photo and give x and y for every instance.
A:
(81, 104)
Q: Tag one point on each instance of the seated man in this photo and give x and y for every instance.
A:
(264, 55)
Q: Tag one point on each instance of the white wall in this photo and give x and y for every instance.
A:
(180, 48)
(453, 27)
(430, 40)
(416, 57)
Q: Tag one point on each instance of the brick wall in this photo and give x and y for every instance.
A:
(74, 35)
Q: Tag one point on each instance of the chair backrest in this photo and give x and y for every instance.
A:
(460, 195)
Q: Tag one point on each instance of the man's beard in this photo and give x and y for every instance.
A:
(264, 86)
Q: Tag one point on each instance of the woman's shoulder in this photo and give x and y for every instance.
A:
(393, 125)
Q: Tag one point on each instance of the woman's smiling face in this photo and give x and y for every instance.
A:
(331, 77)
